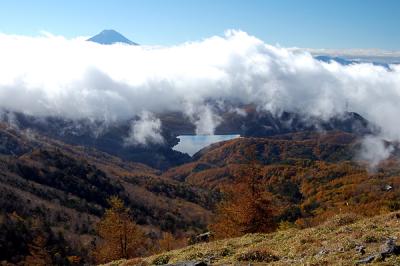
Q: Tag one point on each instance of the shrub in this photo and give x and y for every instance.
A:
(393, 205)
(285, 225)
(134, 262)
(343, 219)
(258, 255)
(370, 239)
(226, 252)
(160, 260)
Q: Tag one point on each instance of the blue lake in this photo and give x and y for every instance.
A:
(191, 144)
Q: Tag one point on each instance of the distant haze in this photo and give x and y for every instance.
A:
(363, 55)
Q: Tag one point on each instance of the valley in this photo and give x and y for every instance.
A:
(178, 133)
(308, 176)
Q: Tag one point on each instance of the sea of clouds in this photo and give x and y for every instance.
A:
(50, 75)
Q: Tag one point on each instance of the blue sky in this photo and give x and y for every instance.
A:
(334, 24)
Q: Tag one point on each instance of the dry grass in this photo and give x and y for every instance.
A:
(332, 243)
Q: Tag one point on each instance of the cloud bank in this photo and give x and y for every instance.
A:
(73, 78)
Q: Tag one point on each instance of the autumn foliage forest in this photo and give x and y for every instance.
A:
(70, 205)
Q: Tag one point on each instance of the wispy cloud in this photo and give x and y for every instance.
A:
(146, 130)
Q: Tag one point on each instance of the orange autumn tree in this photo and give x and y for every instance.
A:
(247, 207)
(120, 236)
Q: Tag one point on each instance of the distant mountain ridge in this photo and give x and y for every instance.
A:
(347, 61)
(161, 156)
(110, 37)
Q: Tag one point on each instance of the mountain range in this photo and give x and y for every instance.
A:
(64, 182)
(346, 61)
(57, 174)
(110, 138)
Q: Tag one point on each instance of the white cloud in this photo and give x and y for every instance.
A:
(203, 117)
(51, 75)
(146, 130)
(374, 150)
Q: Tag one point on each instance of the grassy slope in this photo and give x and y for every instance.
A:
(332, 243)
